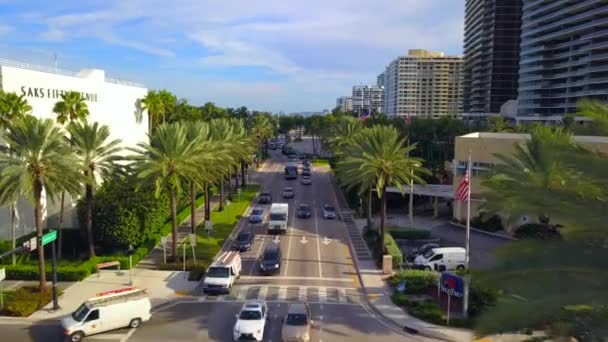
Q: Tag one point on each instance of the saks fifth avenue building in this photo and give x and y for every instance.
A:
(111, 102)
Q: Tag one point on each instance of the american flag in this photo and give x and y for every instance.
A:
(462, 193)
(364, 116)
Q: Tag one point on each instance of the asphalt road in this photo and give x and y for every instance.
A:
(316, 268)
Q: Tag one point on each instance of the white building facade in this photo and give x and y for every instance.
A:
(110, 102)
(368, 99)
(345, 103)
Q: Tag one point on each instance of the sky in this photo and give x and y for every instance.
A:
(272, 55)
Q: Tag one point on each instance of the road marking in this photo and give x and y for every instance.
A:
(276, 239)
(242, 293)
(289, 240)
(341, 295)
(303, 240)
(257, 257)
(302, 294)
(318, 247)
(128, 335)
(262, 293)
(326, 241)
(282, 293)
(320, 329)
(342, 280)
(322, 294)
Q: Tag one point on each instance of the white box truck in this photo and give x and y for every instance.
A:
(126, 307)
(277, 218)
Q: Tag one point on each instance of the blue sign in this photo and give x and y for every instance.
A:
(401, 287)
(452, 284)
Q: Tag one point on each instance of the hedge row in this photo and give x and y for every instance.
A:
(393, 250)
(416, 281)
(24, 301)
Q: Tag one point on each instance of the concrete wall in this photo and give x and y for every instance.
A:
(109, 104)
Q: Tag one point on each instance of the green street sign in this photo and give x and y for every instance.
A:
(49, 237)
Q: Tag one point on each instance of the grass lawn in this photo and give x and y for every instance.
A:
(223, 224)
(320, 162)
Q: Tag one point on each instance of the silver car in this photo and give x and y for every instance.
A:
(329, 212)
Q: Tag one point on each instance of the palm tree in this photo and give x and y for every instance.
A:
(168, 161)
(342, 132)
(39, 161)
(12, 107)
(261, 129)
(71, 108)
(169, 104)
(498, 124)
(153, 103)
(379, 157)
(97, 157)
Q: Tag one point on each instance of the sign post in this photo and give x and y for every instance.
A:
(47, 238)
(193, 245)
(2, 277)
(184, 245)
(453, 286)
(208, 227)
(130, 253)
(163, 241)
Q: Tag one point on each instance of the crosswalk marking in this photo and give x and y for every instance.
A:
(263, 292)
(282, 293)
(322, 294)
(242, 294)
(302, 294)
(341, 295)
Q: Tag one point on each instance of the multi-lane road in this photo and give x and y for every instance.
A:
(316, 268)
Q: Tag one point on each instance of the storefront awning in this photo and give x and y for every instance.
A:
(431, 190)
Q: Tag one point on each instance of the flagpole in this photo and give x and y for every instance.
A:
(467, 258)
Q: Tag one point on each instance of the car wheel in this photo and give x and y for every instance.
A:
(135, 322)
(460, 267)
(76, 336)
(427, 268)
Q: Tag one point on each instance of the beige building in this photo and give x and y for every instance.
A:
(423, 83)
(483, 147)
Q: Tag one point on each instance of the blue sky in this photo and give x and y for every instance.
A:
(276, 55)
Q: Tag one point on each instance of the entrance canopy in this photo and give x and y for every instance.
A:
(431, 190)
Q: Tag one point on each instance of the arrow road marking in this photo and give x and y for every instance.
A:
(326, 241)
(276, 239)
(303, 241)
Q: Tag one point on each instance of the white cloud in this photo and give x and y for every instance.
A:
(5, 29)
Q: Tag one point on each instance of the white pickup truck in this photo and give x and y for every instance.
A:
(277, 218)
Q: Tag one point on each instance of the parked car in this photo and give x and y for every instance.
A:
(297, 324)
(256, 216)
(270, 262)
(442, 259)
(306, 180)
(304, 211)
(250, 322)
(329, 212)
(420, 250)
(288, 192)
(243, 241)
(265, 198)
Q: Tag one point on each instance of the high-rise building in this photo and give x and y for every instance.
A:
(380, 80)
(345, 103)
(367, 99)
(491, 54)
(564, 50)
(423, 83)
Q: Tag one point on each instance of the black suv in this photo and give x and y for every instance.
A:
(304, 211)
(270, 262)
(243, 241)
(265, 198)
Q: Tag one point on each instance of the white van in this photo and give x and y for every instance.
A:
(222, 273)
(442, 259)
(127, 307)
(277, 218)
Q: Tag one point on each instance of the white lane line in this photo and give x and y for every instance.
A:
(289, 239)
(302, 293)
(257, 257)
(341, 295)
(127, 336)
(282, 293)
(263, 293)
(320, 328)
(318, 246)
(340, 280)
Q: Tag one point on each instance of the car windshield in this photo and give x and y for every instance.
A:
(288, 189)
(328, 208)
(264, 194)
(296, 319)
(256, 212)
(80, 313)
(304, 207)
(428, 254)
(250, 315)
(243, 237)
(278, 217)
(218, 272)
(270, 255)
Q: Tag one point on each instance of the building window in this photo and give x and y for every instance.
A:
(479, 168)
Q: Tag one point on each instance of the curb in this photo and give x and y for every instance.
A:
(484, 232)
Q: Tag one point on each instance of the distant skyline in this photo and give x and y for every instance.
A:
(275, 55)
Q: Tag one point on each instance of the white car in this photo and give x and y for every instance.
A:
(250, 322)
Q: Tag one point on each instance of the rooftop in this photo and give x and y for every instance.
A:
(524, 136)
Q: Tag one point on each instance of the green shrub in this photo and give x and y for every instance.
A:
(480, 298)
(416, 281)
(426, 310)
(410, 234)
(400, 299)
(537, 231)
(393, 250)
(24, 301)
(488, 223)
